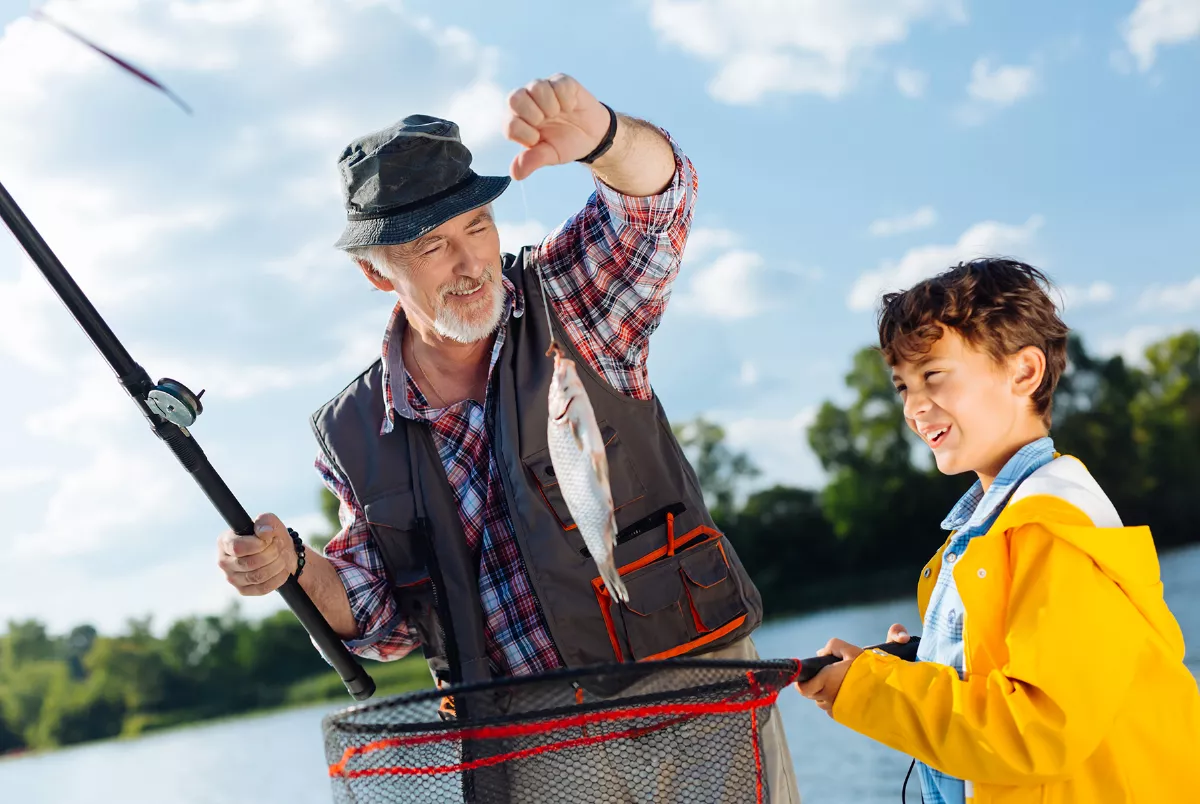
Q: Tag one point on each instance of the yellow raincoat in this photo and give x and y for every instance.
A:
(1075, 688)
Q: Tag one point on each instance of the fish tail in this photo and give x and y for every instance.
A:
(612, 580)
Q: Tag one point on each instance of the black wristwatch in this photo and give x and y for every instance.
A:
(605, 143)
(299, 545)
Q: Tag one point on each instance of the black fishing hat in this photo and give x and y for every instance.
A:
(406, 180)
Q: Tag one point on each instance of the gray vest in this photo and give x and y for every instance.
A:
(689, 593)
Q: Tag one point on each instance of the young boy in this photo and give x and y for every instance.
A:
(1050, 669)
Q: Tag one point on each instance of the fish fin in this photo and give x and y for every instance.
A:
(613, 582)
(600, 467)
(575, 433)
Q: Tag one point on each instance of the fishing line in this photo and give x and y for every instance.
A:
(541, 280)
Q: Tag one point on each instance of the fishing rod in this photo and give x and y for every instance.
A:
(168, 405)
(170, 408)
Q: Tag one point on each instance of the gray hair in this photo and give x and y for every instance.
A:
(375, 258)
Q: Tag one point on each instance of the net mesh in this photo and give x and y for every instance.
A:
(672, 730)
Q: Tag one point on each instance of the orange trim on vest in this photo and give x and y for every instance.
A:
(712, 636)
(605, 600)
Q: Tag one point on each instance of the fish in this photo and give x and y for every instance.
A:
(581, 468)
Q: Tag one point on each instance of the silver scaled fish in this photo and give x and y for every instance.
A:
(581, 468)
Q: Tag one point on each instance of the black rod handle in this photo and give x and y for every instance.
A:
(137, 383)
(905, 650)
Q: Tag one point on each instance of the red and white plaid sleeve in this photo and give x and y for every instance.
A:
(609, 268)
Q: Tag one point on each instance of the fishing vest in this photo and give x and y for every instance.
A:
(688, 591)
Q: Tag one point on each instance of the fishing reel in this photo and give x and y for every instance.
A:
(173, 401)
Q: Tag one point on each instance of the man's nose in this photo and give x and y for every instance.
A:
(470, 264)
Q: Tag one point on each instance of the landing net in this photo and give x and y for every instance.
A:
(674, 730)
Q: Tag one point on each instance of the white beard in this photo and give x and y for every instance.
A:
(448, 324)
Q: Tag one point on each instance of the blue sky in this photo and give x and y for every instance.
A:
(843, 148)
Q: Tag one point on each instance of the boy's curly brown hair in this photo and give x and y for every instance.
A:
(998, 306)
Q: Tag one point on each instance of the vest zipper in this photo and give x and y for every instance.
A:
(437, 581)
(445, 624)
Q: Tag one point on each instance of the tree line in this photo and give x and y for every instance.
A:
(864, 535)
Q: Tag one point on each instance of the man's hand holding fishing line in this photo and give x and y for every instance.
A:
(558, 122)
(823, 688)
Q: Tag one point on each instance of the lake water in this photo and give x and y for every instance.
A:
(279, 757)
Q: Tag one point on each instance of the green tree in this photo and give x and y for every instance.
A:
(75, 713)
(1166, 413)
(883, 508)
(131, 668)
(27, 641)
(329, 509)
(787, 546)
(722, 472)
(24, 694)
(1093, 419)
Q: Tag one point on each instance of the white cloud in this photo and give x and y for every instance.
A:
(114, 498)
(986, 239)
(19, 478)
(918, 219)
(991, 89)
(729, 289)
(725, 281)
(1002, 86)
(912, 83)
(778, 446)
(514, 236)
(702, 242)
(1132, 344)
(481, 111)
(762, 47)
(1158, 23)
(1074, 296)
(1181, 298)
(27, 306)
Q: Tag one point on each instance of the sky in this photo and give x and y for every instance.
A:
(843, 149)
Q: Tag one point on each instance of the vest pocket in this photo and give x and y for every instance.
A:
(654, 617)
(713, 598)
(624, 482)
(679, 603)
(393, 522)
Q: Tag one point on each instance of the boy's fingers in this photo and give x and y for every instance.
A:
(812, 688)
(898, 633)
(828, 649)
(837, 647)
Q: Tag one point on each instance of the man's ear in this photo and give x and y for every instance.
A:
(1027, 368)
(377, 279)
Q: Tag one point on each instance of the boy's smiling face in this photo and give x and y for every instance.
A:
(972, 410)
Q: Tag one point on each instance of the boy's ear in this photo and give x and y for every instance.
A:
(1027, 368)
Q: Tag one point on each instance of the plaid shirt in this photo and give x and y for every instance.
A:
(942, 637)
(608, 272)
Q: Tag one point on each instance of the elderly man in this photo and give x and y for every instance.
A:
(456, 537)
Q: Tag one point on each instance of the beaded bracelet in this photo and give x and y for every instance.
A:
(299, 544)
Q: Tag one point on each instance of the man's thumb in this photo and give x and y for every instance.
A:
(897, 633)
(529, 160)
